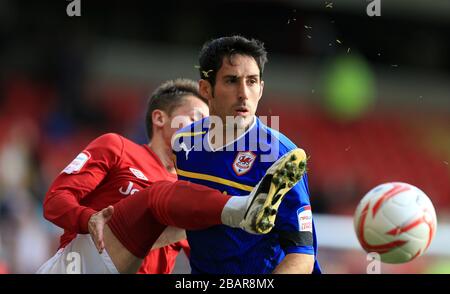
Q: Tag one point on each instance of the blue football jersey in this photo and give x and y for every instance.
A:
(235, 169)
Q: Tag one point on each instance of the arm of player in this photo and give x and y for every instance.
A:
(62, 201)
(64, 210)
(295, 263)
(296, 232)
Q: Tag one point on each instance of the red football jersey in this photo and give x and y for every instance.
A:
(109, 169)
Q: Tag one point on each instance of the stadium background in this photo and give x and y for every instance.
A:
(367, 97)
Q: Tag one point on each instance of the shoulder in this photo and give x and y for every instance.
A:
(110, 142)
(276, 139)
(110, 138)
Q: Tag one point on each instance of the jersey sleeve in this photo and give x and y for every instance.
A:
(294, 222)
(62, 201)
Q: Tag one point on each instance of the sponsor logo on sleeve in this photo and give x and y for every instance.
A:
(77, 164)
(305, 219)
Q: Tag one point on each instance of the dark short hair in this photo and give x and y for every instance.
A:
(168, 96)
(212, 54)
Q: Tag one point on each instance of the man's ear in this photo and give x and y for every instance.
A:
(205, 89)
(159, 118)
(261, 90)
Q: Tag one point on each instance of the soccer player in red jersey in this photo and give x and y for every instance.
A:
(112, 168)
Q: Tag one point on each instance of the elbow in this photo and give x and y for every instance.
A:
(310, 267)
(46, 207)
(46, 212)
(308, 264)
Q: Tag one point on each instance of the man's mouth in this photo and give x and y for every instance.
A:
(242, 110)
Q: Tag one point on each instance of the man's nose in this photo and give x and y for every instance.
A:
(243, 90)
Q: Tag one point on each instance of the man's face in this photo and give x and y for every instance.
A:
(191, 110)
(237, 90)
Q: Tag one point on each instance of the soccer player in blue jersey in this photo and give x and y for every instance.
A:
(231, 151)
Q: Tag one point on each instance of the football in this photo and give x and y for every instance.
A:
(396, 220)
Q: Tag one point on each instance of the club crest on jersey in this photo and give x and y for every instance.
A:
(76, 164)
(138, 174)
(243, 162)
